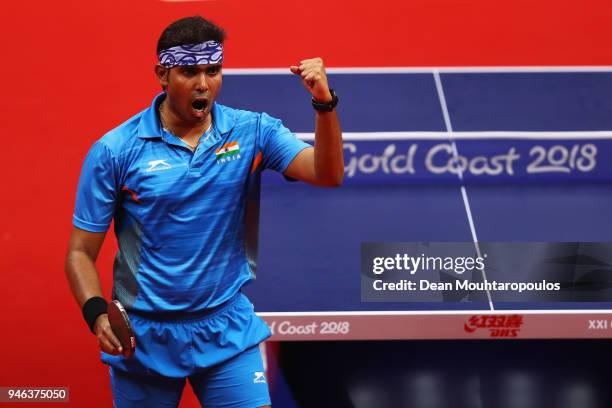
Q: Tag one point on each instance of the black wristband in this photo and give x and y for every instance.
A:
(93, 308)
(325, 106)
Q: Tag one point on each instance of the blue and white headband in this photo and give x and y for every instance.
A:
(209, 52)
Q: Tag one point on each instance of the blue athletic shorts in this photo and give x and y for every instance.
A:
(218, 352)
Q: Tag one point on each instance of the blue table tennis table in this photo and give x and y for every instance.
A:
(466, 155)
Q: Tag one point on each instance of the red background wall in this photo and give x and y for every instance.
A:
(71, 70)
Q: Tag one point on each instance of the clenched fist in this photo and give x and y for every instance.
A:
(314, 78)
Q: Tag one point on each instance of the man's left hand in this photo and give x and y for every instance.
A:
(314, 78)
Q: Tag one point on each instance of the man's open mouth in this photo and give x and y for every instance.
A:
(199, 105)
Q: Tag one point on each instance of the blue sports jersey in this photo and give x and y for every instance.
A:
(186, 222)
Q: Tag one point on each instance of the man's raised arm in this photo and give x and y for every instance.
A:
(322, 165)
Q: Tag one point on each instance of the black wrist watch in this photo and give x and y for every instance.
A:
(326, 107)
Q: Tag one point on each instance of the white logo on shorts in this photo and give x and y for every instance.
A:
(259, 377)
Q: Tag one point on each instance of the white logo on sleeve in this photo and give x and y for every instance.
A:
(259, 377)
(157, 165)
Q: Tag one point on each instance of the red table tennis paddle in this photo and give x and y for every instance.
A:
(120, 323)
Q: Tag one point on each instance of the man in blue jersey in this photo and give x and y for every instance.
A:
(181, 181)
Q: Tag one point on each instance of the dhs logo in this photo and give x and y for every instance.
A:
(501, 326)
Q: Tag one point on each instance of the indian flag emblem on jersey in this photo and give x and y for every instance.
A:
(227, 152)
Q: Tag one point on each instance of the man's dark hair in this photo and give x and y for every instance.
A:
(189, 30)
